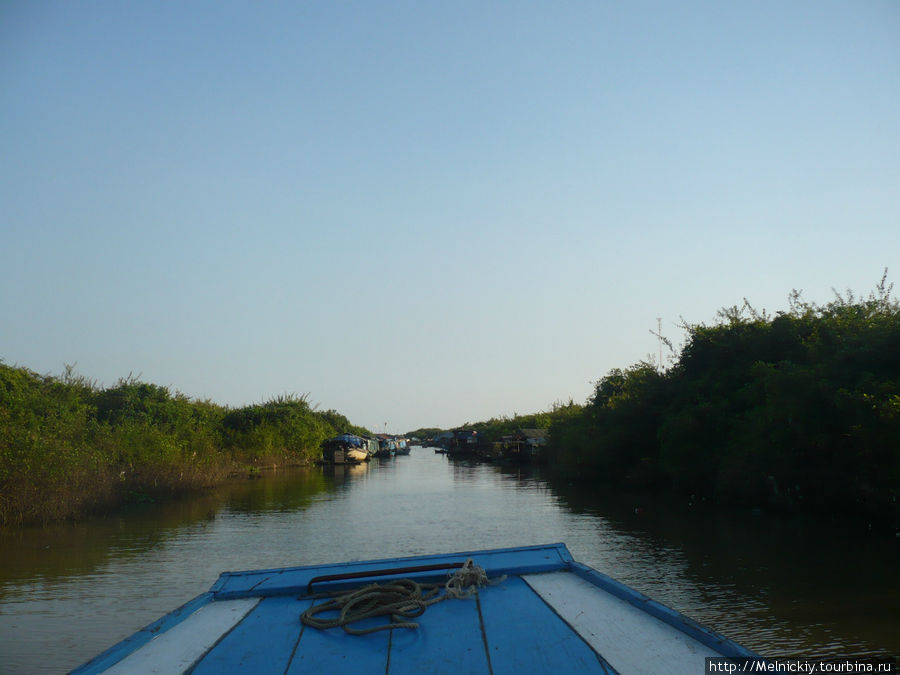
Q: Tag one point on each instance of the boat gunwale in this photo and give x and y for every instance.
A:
(110, 657)
(294, 580)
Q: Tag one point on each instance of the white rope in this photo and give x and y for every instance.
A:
(465, 581)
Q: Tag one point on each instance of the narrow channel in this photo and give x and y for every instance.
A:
(781, 586)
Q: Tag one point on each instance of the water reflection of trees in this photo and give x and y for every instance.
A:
(815, 577)
(54, 552)
(288, 490)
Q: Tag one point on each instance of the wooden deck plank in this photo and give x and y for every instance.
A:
(262, 643)
(628, 638)
(539, 642)
(335, 651)
(448, 640)
(178, 648)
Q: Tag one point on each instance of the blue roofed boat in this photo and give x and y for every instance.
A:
(532, 609)
(348, 449)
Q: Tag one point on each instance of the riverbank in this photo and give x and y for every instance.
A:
(69, 448)
(797, 412)
(79, 495)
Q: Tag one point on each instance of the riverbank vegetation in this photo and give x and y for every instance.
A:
(799, 410)
(496, 428)
(69, 447)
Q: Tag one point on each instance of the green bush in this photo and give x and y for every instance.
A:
(802, 409)
(68, 447)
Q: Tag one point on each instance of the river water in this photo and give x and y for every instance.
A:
(781, 586)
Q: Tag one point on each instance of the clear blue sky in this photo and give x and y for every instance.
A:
(424, 214)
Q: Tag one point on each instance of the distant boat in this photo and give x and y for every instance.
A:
(348, 449)
(523, 446)
(520, 610)
(391, 445)
(468, 444)
(441, 442)
(464, 443)
(386, 446)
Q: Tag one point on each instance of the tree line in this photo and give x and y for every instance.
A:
(796, 410)
(496, 428)
(69, 447)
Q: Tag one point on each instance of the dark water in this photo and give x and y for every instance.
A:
(780, 586)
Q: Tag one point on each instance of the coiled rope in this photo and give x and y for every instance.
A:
(400, 599)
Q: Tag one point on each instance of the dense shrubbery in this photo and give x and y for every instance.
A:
(799, 409)
(68, 447)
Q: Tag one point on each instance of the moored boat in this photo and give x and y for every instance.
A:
(523, 446)
(348, 449)
(464, 443)
(530, 609)
(469, 444)
(386, 446)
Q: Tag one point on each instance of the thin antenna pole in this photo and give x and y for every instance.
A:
(659, 336)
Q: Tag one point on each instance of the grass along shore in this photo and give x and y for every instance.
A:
(69, 448)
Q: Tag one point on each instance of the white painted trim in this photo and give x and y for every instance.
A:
(630, 640)
(179, 647)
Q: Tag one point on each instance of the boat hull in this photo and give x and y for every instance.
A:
(541, 612)
(347, 449)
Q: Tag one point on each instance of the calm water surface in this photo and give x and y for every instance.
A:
(783, 587)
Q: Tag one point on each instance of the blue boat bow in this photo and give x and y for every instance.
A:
(548, 614)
